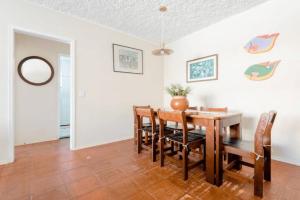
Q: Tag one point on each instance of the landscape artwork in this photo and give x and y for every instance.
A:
(127, 59)
(261, 44)
(202, 69)
(261, 71)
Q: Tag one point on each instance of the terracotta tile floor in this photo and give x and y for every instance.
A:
(50, 170)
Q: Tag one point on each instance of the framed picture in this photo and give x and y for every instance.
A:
(202, 69)
(127, 59)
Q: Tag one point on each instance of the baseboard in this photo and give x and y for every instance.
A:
(38, 141)
(104, 143)
(285, 161)
(4, 162)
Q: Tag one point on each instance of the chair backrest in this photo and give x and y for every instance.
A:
(145, 113)
(267, 135)
(225, 109)
(263, 131)
(172, 116)
(134, 113)
(193, 108)
(259, 133)
(189, 108)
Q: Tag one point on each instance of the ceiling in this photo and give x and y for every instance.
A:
(142, 18)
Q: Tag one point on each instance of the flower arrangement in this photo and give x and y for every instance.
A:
(178, 90)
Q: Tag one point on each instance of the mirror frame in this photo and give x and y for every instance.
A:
(33, 83)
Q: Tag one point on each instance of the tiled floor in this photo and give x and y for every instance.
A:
(115, 171)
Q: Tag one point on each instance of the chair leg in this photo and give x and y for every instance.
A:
(154, 140)
(267, 164)
(172, 147)
(139, 140)
(258, 177)
(225, 155)
(185, 163)
(204, 156)
(180, 149)
(161, 151)
(146, 137)
(201, 151)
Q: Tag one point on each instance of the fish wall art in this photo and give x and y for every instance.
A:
(261, 71)
(261, 44)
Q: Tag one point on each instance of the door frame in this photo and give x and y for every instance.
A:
(11, 77)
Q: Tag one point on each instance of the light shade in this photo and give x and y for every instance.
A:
(162, 52)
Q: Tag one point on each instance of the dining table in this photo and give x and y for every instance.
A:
(215, 124)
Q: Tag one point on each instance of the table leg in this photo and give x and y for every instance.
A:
(219, 153)
(210, 152)
(235, 132)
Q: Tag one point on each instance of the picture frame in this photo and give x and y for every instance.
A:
(127, 59)
(202, 69)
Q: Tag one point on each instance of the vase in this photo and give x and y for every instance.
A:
(179, 103)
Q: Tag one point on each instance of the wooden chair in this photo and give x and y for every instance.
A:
(255, 154)
(153, 129)
(181, 138)
(135, 121)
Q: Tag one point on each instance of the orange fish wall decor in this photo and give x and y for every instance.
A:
(261, 44)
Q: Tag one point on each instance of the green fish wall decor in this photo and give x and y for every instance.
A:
(261, 71)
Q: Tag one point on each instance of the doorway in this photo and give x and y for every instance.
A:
(12, 87)
(64, 96)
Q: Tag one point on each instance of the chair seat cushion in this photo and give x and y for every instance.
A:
(146, 124)
(178, 137)
(198, 131)
(246, 146)
(177, 127)
(149, 128)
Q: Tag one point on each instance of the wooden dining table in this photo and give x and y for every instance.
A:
(215, 123)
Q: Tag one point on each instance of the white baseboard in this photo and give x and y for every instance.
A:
(98, 144)
(4, 162)
(285, 160)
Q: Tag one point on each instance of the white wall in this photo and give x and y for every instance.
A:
(105, 113)
(36, 107)
(281, 92)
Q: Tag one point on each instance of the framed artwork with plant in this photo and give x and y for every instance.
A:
(202, 69)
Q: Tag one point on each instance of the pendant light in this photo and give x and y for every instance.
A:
(162, 50)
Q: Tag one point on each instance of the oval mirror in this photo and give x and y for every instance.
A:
(35, 70)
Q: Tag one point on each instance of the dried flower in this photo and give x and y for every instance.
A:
(178, 90)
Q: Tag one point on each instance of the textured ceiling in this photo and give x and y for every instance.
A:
(142, 18)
